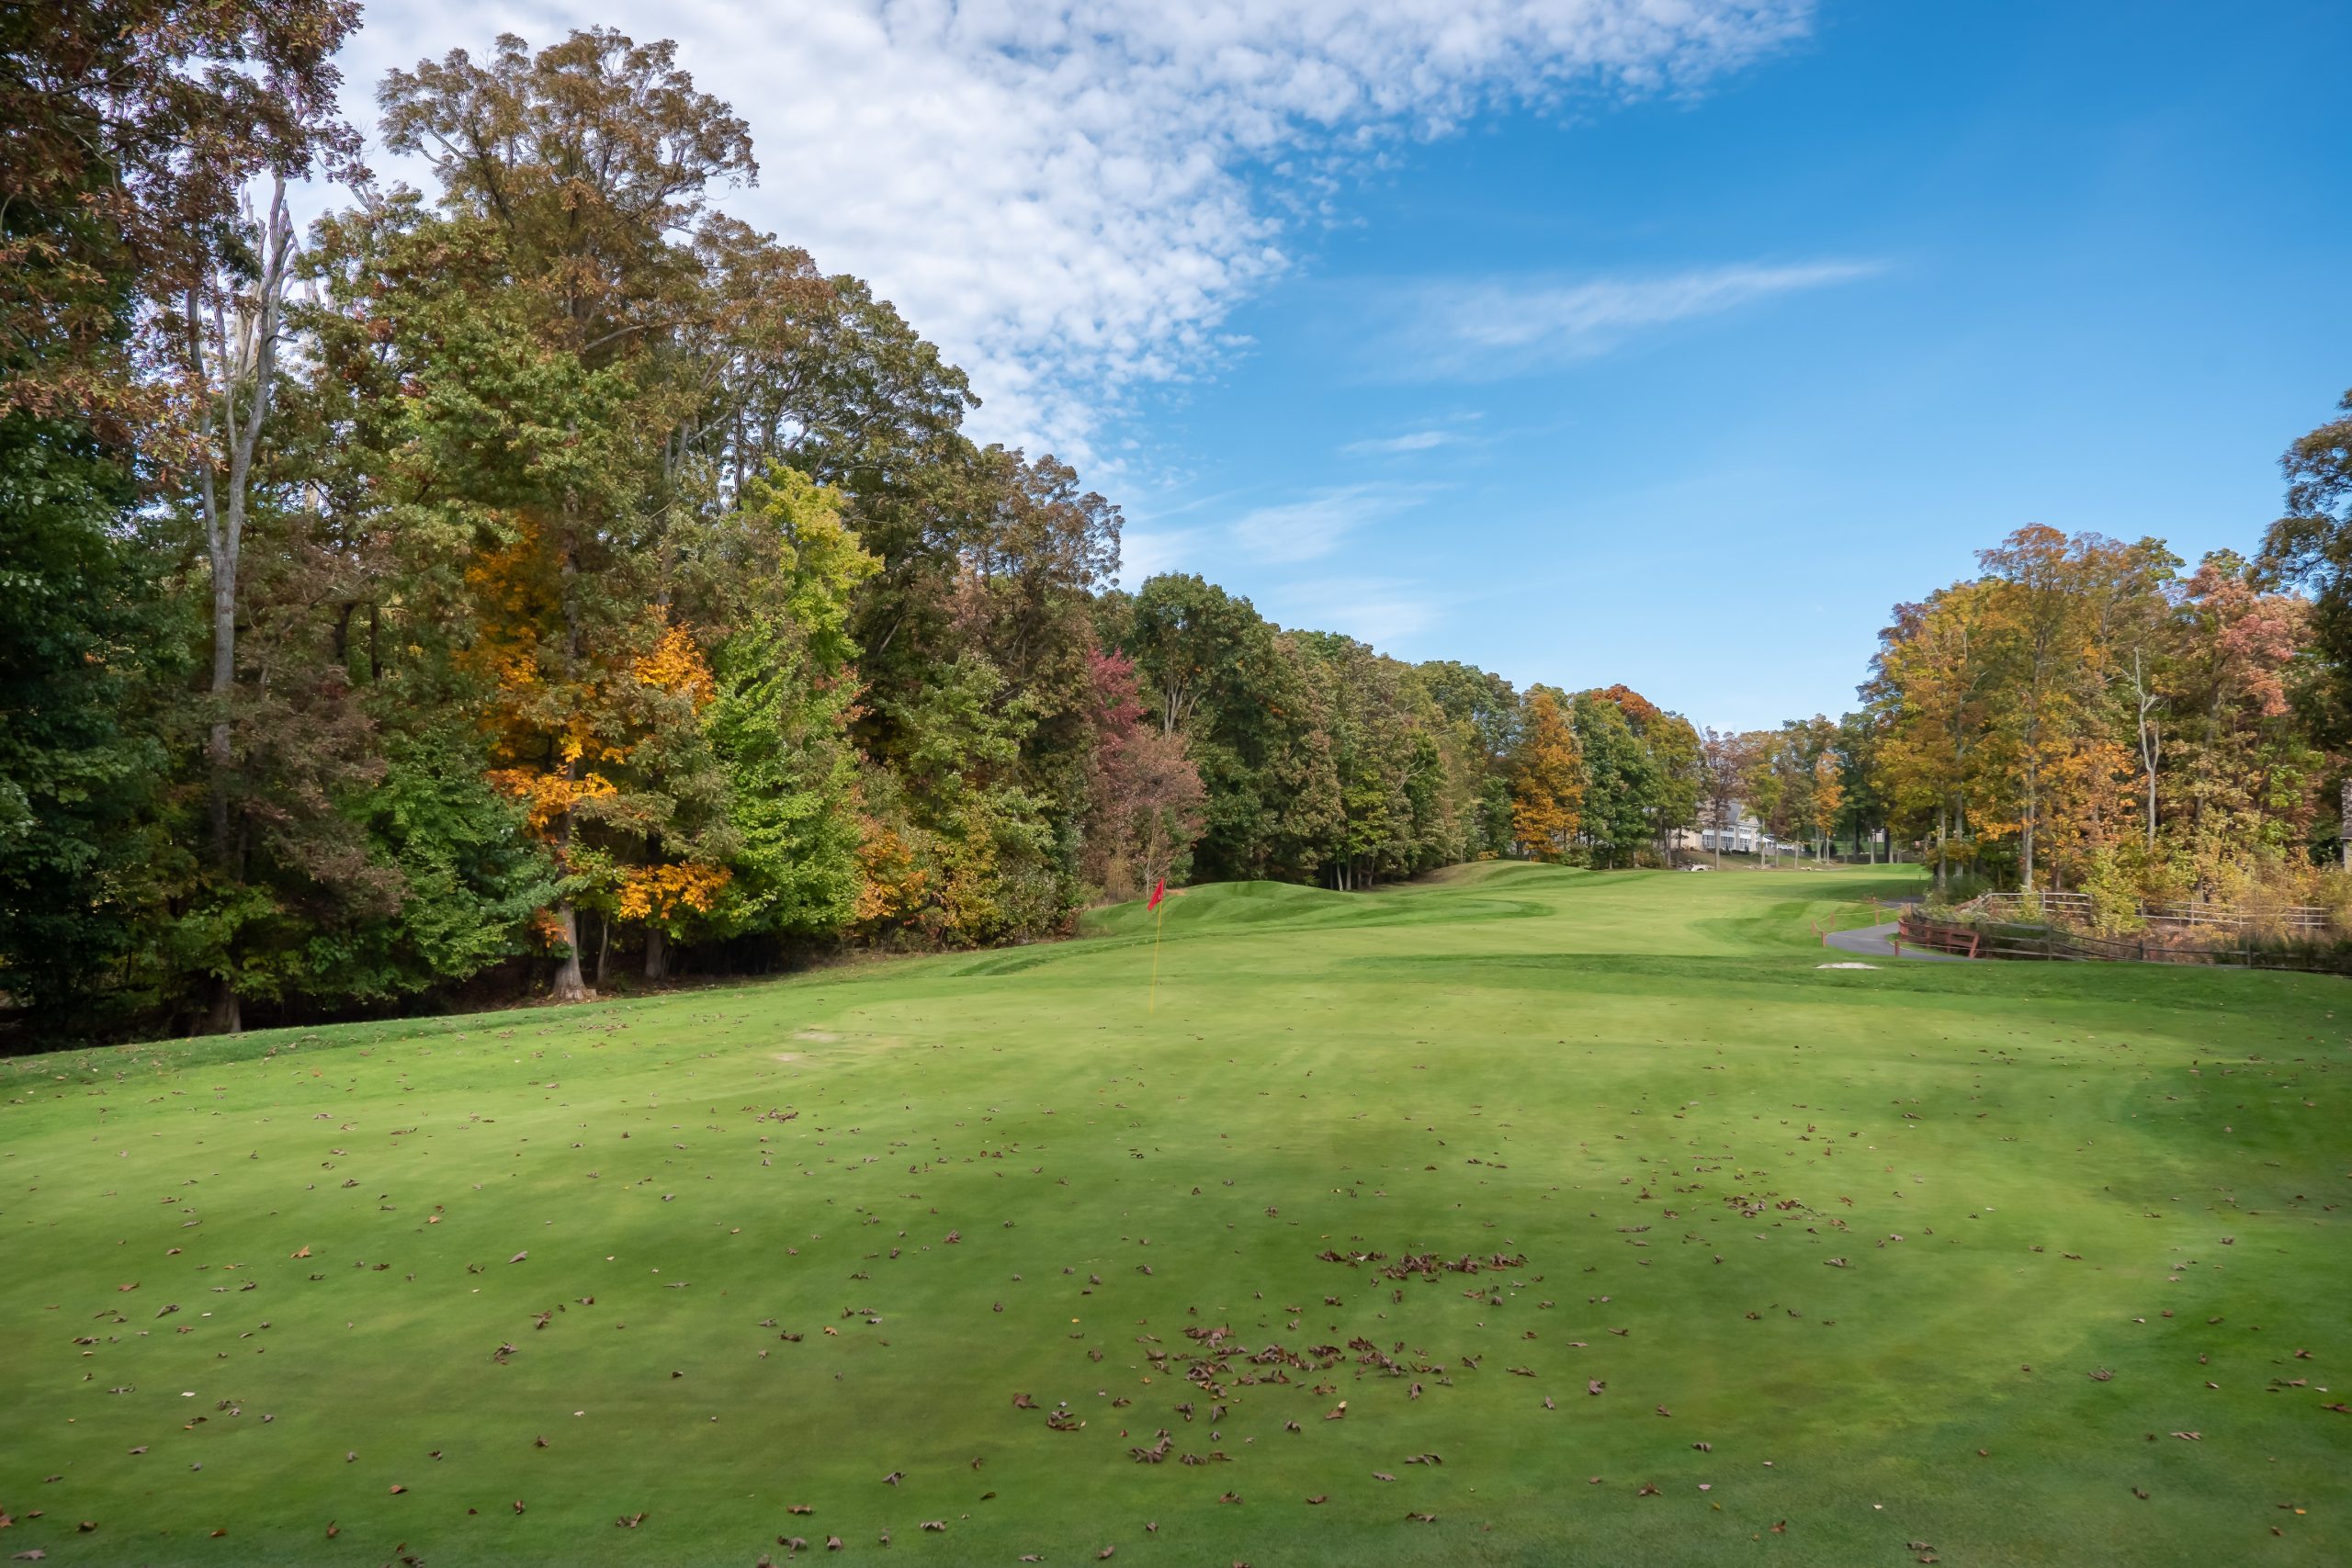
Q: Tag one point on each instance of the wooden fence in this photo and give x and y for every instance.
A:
(2300, 919)
(2075, 908)
(1938, 935)
(2053, 943)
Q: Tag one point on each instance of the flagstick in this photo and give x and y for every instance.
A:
(1158, 916)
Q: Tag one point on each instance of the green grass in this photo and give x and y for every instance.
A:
(1640, 1083)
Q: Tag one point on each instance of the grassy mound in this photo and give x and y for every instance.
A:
(1583, 1214)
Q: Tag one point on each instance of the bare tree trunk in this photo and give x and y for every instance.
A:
(244, 358)
(656, 954)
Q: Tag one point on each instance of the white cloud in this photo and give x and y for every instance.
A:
(1394, 445)
(1145, 553)
(1378, 611)
(1505, 326)
(1283, 534)
(1069, 195)
(1310, 529)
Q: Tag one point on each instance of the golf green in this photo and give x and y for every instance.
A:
(1523, 1215)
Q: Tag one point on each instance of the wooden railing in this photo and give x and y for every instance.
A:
(2030, 940)
(2077, 908)
(1921, 931)
(2304, 918)
(2032, 906)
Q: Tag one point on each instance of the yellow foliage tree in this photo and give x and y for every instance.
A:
(587, 734)
(1547, 782)
(1828, 797)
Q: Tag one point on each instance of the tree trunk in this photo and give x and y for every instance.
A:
(2151, 742)
(217, 749)
(656, 954)
(2025, 842)
(227, 1014)
(603, 946)
(2343, 815)
(245, 356)
(569, 985)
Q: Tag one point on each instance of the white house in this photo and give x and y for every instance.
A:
(1744, 835)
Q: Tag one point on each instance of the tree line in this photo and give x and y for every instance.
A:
(2086, 715)
(2094, 715)
(494, 588)
(485, 589)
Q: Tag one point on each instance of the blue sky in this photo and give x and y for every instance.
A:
(2065, 267)
(1668, 342)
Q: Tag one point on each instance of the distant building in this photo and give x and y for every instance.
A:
(1741, 835)
(1744, 835)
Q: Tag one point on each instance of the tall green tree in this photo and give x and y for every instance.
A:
(780, 721)
(1484, 713)
(89, 649)
(2312, 544)
(583, 168)
(1621, 785)
(1254, 712)
(125, 242)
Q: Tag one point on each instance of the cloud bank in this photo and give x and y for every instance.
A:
(1071, 195)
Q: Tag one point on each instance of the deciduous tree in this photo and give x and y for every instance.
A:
(1547, 780)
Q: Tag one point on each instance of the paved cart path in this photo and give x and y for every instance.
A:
(1876, 941)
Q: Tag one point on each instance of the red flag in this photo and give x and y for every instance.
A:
(1159, 892)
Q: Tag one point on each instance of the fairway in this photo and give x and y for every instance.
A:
(1522, 1215)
